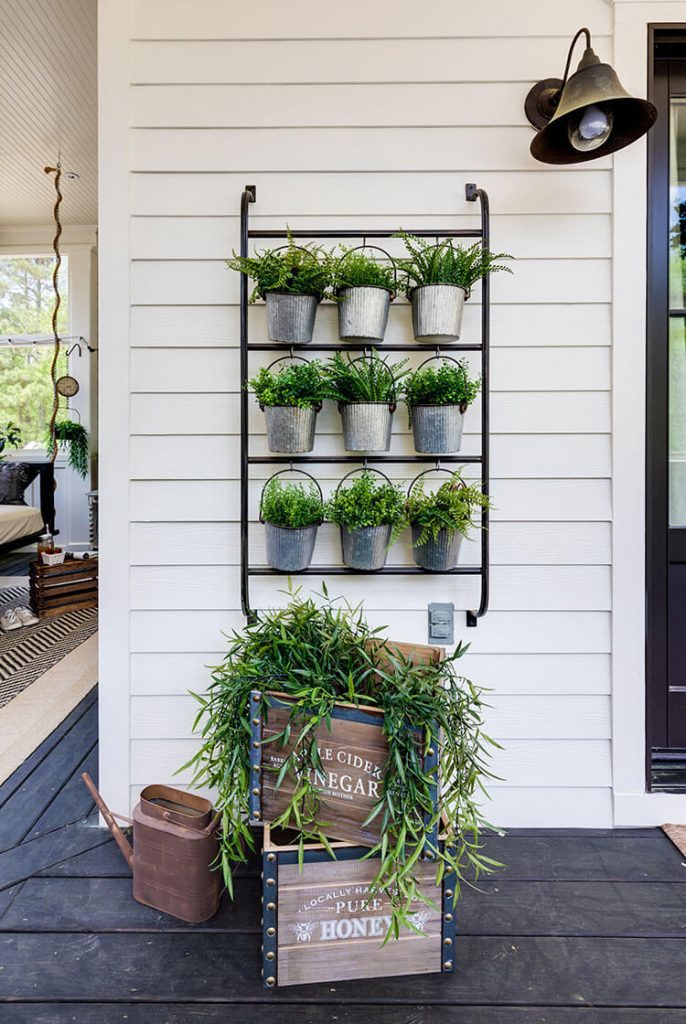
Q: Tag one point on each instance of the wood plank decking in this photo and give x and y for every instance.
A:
(582, 927)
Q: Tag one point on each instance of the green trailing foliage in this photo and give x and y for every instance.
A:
(367, 501)
(366, 379)
(10, 436)
(446, 262)
(355, 269)
(299, 270)
(318, 653)
(294, 505)
(447, 384)
(298, 384)
(453, 506)
(75, 437)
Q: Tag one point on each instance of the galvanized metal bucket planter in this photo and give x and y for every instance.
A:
(439, 555)
(290, 549)
(363, 313)
(367, 425)
(363, 309)
(290, 318)
(437, 429)
(365, 548)
(437, 313)
(289, 428)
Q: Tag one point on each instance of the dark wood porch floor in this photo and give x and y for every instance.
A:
(583, 927)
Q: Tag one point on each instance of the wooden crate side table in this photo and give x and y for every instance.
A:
(56, 589)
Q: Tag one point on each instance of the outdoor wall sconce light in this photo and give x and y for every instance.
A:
(586, 115)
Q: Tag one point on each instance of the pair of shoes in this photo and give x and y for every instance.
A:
(16, 618)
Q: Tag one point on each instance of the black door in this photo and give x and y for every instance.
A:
(666, 419)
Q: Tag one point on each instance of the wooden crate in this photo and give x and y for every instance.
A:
(56, 589)
(320, 924)
(353, 754)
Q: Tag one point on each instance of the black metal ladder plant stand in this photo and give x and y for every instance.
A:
(472, 195)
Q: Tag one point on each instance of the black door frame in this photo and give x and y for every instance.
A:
(666, 767)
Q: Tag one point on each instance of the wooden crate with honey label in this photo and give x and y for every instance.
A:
(321, 924)
(56, 589)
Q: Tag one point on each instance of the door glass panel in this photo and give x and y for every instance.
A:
(677, 323)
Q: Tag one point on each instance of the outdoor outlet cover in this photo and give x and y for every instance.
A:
(441, 623)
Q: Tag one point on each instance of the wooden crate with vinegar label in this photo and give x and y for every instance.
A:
(353, 755)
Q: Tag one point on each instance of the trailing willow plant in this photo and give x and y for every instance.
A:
(446, 262)
(75, 437)
(366, 379)
(317, 654)
(449, 384)
(297, 269)
(298, 385)
(293, 505)
(453, 507)
(356, 269)
(366, 501)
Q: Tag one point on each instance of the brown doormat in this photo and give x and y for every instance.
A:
(677, 833)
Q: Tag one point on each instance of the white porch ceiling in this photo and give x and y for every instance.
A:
(48, 105)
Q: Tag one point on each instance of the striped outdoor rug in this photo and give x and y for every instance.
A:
(25, 654)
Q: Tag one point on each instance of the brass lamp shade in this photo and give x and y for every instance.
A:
(593, 84)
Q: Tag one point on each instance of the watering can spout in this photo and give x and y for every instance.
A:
(119, 837)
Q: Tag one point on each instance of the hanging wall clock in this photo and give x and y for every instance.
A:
(67, 386)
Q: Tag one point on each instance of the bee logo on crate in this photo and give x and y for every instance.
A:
(302, 930)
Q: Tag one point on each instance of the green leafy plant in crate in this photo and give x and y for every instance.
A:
(320, 653)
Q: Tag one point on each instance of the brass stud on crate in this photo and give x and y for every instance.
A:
(271, 981)
(256, 746)
(430, 751)
(255, 721)
(448, 893)
(447, 942)
(256, 696)
(270, 955)
(271, 856)
(256, 814)
(256, 792)
(447, 917)
(271, 881)
(256, 767)
(448, 965)
(271, 932)
(271, 906)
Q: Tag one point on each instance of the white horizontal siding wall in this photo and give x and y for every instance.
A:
(378, 120)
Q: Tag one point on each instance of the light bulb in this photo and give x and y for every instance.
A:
(590, 129)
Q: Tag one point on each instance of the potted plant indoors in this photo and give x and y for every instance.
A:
(10, 436)
(365, 389)
(440, 519)
(290, 398)
(438, 278)
(292, 280)
(317, 654)
(366, 512)
(364, 288)
(75, 437)
(291, 513)
(437, 399)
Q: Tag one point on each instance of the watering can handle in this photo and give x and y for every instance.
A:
(119, 837)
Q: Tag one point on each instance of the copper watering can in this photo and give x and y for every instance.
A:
(174, 847)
